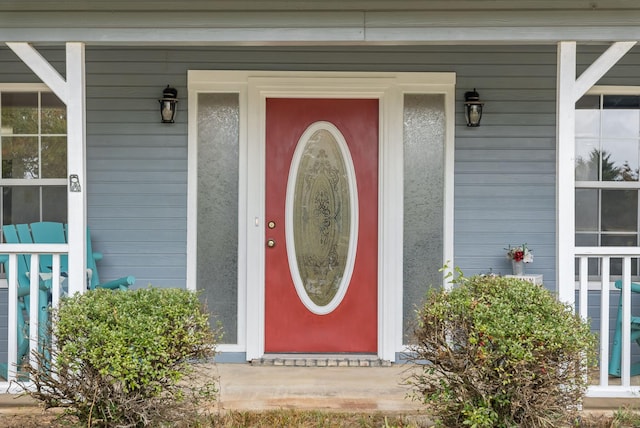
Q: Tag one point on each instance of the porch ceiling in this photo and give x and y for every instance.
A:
(228, 22)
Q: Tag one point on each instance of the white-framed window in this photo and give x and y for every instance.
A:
(33, 155)
(606, 171)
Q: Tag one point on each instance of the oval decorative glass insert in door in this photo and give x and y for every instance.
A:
(321, 217)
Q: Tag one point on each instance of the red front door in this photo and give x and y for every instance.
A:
(311, 307)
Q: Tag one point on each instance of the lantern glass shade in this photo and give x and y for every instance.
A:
(168, 110)
(473, 114)
(473, 108)
(168, 105)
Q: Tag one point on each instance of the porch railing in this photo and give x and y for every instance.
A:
(597, 286)
(13, 251)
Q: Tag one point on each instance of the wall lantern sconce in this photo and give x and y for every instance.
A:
(168, 104)
(472, 108)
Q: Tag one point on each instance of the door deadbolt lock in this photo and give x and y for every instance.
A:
(271, 225)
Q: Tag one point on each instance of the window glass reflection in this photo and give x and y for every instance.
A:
(33, 146)
(620, 123)
(588, 123)
(54, 157)
(624, 102)
(19, 112)
(608, 240)
(586, 210)
(607, 155)
(20, 157)
(619, 160)
(54, 203)
(619, 210)
(587, 159)
(20, 204)
(53, 115)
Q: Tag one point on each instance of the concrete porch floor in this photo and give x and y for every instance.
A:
(249, 387)
(384, 389)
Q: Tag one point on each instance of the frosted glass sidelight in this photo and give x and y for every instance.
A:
(320, 207)
(217, 271)
(424, 141)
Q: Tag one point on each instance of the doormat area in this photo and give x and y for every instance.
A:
(320, 361)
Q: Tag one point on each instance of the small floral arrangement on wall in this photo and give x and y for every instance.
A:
(520, 253)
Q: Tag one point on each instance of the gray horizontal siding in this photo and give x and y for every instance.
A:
(137, 167)
(504, 170)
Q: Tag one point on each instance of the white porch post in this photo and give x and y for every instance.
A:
(71, 92)
(569, 91)
(565, 178)
(76, 167)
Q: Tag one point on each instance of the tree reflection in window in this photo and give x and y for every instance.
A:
(33, 144)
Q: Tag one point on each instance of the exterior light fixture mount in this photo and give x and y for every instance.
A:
(168, 104)
(472, 108)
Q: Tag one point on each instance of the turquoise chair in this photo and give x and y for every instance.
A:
(46, 232)
(56, 233)
(616, 347)
(94, 279)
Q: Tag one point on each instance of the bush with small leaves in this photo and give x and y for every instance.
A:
(128, 359)
(500, 352)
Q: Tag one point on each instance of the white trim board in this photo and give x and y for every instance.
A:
(254, 87)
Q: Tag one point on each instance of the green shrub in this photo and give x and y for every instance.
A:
(127, 359)
(500, 352)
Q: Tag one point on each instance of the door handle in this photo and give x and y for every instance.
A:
(271, 243)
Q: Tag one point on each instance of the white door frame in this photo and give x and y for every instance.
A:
(254, 87)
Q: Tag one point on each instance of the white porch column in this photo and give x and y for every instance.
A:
(565, 178)
(76, 167)
(569, 91)
(71, 92)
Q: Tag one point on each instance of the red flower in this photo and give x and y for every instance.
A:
(519, 253)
